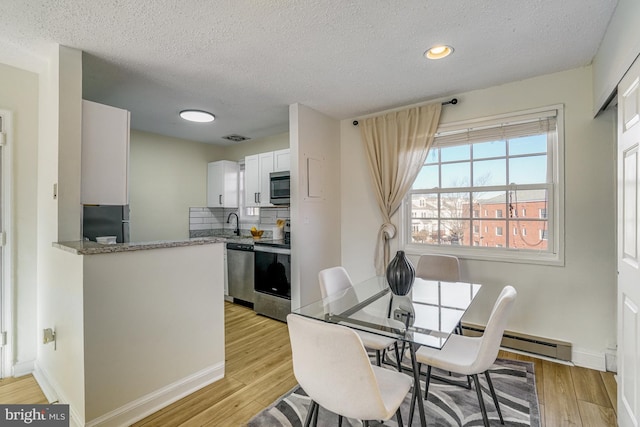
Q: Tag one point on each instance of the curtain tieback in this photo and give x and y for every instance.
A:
(387, 232)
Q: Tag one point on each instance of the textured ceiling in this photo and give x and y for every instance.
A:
(247, 60)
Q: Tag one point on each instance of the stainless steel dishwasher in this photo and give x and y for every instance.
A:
(240, 270)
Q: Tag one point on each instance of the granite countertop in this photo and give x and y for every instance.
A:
(93, 248)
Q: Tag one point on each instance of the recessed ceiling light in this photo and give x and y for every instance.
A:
(197, 116)
(438, 52)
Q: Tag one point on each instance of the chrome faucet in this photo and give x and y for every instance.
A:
(237, 230)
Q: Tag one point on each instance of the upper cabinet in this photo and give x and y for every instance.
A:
(281, 160)
(105, 155)
(222, 184)
(256, 175)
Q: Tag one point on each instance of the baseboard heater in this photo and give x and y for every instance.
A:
(555, 349)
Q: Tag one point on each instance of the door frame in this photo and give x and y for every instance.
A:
(6, 226)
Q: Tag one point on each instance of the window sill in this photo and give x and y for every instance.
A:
(488, 254)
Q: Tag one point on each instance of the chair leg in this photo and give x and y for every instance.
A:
(398, 359)
(312, 408)
(493, 395)
(483, 409)
(315, 416)
(339, 420)
(378, 357)
(399, 417)
(414, 399)
(427, 380)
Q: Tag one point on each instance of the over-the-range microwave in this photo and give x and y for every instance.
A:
(279, 187)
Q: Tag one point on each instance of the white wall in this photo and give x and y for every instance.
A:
(167, 176)
(239, 151)
(618, 50)
(315, 221)
(575, 302)
(152, 318)
(19, 94)
(59, 274)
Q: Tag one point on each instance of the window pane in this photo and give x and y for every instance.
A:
(458, 152)
(454, 205)
(529, 233)
(528, 170)
(489, 172)
(427, 178)
(432, 156)
(527, 203)
(489, 149)
(456, 175)
(454, 232)
(528, 145)
(424, 226)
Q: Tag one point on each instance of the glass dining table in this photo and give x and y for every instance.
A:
(427, 316)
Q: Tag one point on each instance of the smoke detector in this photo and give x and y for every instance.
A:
(235, 138)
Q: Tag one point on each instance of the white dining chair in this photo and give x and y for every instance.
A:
(472, 355)
(334, 280)
(332, 366)
(444, 268)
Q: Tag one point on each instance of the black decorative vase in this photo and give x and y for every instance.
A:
(400, 274)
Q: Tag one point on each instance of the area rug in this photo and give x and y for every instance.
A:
(448, 405)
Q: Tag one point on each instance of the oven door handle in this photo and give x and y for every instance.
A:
(271, 250)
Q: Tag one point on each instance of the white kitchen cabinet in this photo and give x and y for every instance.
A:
(105, 155)
(222, 184)
(256, 174)
(281, 160)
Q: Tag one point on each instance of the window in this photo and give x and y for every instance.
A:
(499, 166)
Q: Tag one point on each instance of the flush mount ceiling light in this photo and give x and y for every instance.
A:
(197, 116)
(438, 52)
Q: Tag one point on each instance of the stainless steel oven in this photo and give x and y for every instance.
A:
(272, 277)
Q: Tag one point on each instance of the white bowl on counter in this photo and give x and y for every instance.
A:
(106, 240)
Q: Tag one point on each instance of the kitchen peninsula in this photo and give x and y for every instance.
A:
(152, 323)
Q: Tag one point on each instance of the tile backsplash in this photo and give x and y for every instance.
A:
(209, 221)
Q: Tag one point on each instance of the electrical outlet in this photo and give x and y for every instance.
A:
(48, 335)
(402, 315)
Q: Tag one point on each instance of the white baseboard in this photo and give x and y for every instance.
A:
(588, 359)
(23, 368)
(54, 394)
(153, 402)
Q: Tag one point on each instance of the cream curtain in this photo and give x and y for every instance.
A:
(397, 145)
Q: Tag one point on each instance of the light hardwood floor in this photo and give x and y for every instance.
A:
(258, 371)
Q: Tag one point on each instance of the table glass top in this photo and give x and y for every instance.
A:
(426, 316)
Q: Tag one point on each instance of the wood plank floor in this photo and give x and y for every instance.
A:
(258, 371)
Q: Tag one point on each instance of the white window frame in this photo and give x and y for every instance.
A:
(555, 212)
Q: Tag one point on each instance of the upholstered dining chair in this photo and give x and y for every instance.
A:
(444, 268)
(332, 366)
(336, 279)
(438, 267)
(472, 355)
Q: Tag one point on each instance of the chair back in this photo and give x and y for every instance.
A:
(332, 366)
(335, 281)
(438, 267)
(492, 337)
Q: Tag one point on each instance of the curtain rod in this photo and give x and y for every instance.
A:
(453, 101)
